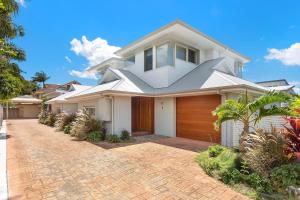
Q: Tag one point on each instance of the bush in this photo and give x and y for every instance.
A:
(63, 119)
(96, 136)
(67, 129)
(265, 151)
(232, 176)
(219, 165)
(113, 138)
(43, 113)
(125, 135)
(258, 182)
(50, 119)
(285, 175)
(215, 150)
(84, 124)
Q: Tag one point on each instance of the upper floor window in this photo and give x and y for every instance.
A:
(148, 59)
(180, 52)
(187, 54)
(165, 55)
(131, 59)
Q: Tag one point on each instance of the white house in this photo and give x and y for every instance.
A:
(168, 83)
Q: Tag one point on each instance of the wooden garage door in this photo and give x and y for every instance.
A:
(194, 119)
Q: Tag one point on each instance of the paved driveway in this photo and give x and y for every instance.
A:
(44, 164)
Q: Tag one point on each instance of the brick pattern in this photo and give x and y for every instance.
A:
(44, 164)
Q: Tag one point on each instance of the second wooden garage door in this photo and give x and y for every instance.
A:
(194, 119)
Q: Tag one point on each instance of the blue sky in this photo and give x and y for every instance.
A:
(254, 28)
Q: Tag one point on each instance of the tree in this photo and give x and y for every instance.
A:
(40, 77)
(11, 79)
(250, 111)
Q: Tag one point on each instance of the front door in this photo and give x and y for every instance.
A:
(142, 109)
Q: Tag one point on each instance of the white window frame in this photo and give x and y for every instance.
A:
(174, 53)
(153, 52)
(197, 51)
(90, 107)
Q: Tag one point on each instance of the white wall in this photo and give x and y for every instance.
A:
(69, 108)
(165, 116)
(102, 108)
(122, 114)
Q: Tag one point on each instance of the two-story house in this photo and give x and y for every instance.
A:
(168, 83)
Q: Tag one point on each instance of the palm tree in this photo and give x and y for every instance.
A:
(40, 77)
(249, 111)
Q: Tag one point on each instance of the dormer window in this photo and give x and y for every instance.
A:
(186, 54)
(165, 55)
(131, 59)
(148, 59)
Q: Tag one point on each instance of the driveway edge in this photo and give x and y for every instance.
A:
(3, 170)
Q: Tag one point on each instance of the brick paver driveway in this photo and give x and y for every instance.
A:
(44, 164)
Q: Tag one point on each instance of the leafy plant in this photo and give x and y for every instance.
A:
(84, 124)
(113, 138)
(67, 129)
(125, 135)
(258, 182)
(63, 119)
(292, 135)
(95, 136)
(50, 119)
(215, 150)
(231, 176)
(285, 175)
(248, 111)
(266, 151)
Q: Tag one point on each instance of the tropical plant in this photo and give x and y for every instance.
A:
(67, 129)
(215, 150)
(250, 111)
(295, 106)
(125, 135)
(266, 151)
(43, 113)
(40, 77)
(63, 119)
(292, 135)
(84, 124)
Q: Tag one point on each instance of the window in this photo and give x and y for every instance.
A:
(192, 56)
(90, 110)
(148, 59)
(180, 52)
(165, 55)
(131, 59)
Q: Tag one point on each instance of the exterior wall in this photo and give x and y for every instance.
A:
(121, 114)
(69, 108)
(102, 108)
(165, 116)
(28, 111)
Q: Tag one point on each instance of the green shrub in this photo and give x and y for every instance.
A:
(215, 150)
(84, 124)
(63, 119)
(113, 138)
(125, 135)
(285, 175)
(226, 161)
(67, 129)
(232, 176)
(96, 136)
(43, 113)
(50, 119)
(258, 182)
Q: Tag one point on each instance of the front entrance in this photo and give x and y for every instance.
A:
(142, 112)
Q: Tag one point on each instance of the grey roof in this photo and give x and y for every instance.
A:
(204, 76)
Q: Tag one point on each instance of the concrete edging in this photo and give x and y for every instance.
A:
(3, 170)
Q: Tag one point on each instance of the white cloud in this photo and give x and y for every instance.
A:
(288, 56)
(94, 51)
(68, 59)
(84, 74)
(21, 2)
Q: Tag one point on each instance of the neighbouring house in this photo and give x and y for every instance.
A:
(60, 104)
(53, 90)
(168, 83)
(278, 85)
(22, 107)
